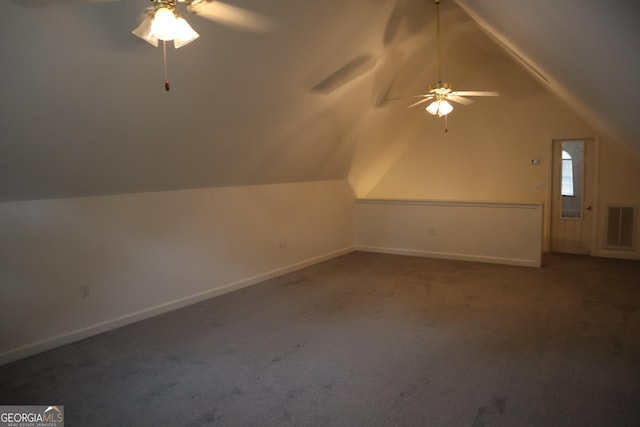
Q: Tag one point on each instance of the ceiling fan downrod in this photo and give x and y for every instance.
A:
(437, 3)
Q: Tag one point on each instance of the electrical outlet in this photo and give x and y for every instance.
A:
(84, 290)
(282, 244)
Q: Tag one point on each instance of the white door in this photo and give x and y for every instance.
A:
(571, 196)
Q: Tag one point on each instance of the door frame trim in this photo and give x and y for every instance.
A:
(595, 194)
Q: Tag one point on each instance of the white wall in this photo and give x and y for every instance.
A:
(143, 254)
(503, 233)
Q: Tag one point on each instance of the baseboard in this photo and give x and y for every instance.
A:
(618, 254)
(79, 334)
(452, 256)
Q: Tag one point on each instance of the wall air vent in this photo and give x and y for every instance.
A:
(621, 227)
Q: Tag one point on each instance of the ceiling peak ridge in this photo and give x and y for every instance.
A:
(600, 127)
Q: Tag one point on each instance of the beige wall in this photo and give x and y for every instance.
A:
(486, 153)
(619, 184)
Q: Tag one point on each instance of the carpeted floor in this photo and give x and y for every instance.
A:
(367, 340)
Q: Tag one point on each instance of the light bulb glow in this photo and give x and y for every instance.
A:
(164, 24)
(445, 108)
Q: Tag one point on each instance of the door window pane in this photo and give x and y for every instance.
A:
(567, 174)
(572, 178)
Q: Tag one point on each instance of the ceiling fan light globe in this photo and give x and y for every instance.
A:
(164, 24)
(184, 34)
(144, 31)
(433, 108)
(445, 108)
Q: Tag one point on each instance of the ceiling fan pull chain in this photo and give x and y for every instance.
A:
(166, 73)
(446, 124)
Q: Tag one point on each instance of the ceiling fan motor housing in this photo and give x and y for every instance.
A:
(168, 4)
(440, 87)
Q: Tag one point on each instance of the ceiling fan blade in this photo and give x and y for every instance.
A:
(409, 97)
(459, 99)
(474, 93)
(232, 16)
(422, 101)
(29, 4)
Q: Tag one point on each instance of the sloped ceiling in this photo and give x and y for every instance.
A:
(83, 110)
(586, 51)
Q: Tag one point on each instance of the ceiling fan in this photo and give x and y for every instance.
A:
(213, 10)
(441, 92)
(162, 23)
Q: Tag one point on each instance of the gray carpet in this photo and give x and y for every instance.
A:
(367, 340)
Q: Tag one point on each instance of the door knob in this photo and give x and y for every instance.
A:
(588, 207)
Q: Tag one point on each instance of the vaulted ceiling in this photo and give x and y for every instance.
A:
(586, 51)
(83, 110)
